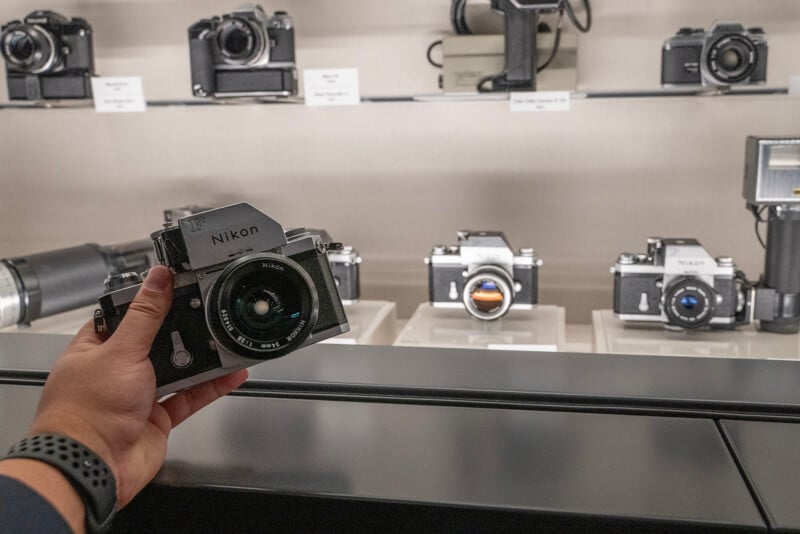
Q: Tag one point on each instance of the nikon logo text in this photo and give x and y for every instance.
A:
(233, 235)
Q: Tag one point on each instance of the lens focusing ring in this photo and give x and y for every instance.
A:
(45, 51)
(739, 44)
(288, 310)
(689, 303)
(504, 284)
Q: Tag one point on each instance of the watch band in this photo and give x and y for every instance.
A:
(87, 472)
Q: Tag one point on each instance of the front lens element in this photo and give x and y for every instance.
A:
(689, 302)
(21, 46)
(265, 306)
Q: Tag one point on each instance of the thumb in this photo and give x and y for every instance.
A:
(145, 314)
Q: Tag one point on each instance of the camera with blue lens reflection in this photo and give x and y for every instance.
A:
(482, 275)
(679, 284)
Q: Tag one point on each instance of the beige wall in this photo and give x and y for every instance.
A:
(393, 179)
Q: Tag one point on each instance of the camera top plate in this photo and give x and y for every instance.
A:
(224, 234)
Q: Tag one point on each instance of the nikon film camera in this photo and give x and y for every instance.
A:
(345, 266)
(482, 274)
(772, 185)
(48, 57)
(679, 284)
(245, 292)
(725, 55)
(244, 53)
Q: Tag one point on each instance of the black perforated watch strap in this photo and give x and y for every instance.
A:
(91, 477)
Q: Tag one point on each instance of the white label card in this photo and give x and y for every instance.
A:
(540, 101)
(118, 95)
(794, 85)
(331, 87)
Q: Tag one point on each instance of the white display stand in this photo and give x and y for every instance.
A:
(617, 337)
(372, 322)
(62, 324)
(540, 329)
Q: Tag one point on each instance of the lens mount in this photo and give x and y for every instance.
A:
(240, 41)
(29, 48)
(689, 303)
(262, 306)
(488, 293)
(731, 58)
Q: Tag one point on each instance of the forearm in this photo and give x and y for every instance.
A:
(48, 482)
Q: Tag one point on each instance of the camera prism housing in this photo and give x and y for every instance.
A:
(244, 53)
(244, 293)
(482, 275)
(678, 283)
(48, 57)
(726, 55)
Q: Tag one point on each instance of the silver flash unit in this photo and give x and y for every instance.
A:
(772, 171)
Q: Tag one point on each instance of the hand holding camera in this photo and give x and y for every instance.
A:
(245, 292)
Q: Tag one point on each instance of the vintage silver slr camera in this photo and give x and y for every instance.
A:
(482, 275)
(244, 293)
(726, 55)
(678, 283)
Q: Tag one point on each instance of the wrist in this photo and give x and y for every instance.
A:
(83, 469)
(52, 486)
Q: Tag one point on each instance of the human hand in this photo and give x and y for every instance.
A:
(103, 393)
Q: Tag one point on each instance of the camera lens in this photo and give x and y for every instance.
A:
(29, 48)
(263, 306)
(488, 293)
(731, 59)
(238, 41)
(689, 303)
(21, 46)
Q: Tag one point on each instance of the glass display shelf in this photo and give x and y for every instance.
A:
(422, 98)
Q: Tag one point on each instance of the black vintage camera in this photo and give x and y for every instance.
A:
(244, 293)
(725, 55)
(244, 53)
(679, 284)
(48, 57)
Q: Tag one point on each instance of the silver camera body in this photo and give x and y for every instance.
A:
(245, 292)
(679, 284)
(482, 275)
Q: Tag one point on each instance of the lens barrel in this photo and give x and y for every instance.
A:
(40, 285)
(29, 48)
(262, 306)
(488, 293)
(731, 58)
(689, 303)
(239, 41)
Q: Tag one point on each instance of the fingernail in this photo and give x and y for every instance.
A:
(158, 279)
